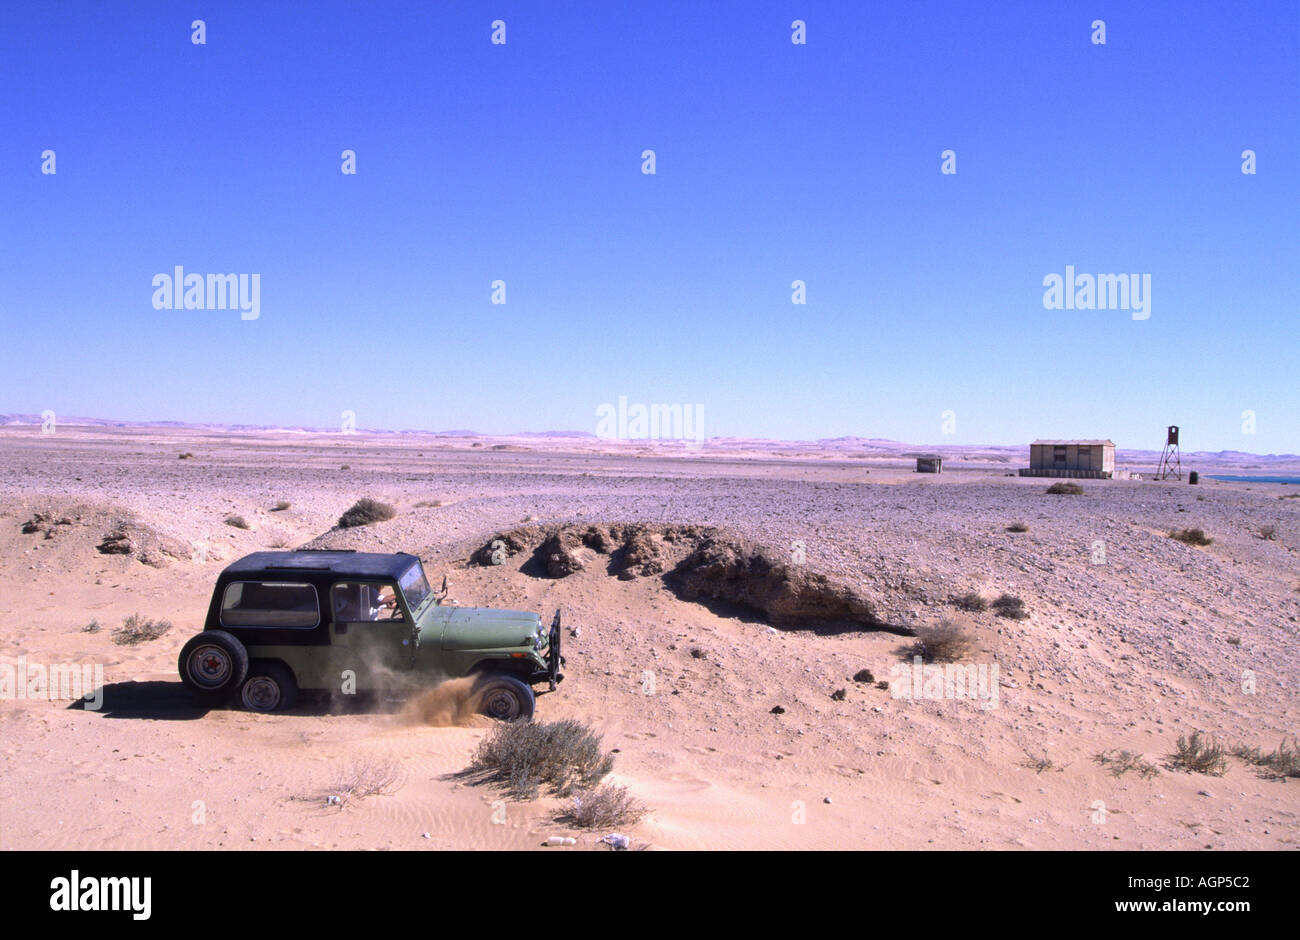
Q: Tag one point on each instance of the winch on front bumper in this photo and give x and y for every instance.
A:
(551, 674)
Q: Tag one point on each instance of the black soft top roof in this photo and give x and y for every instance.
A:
(339, 563)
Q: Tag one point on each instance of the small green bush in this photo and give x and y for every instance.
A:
(1199, 754)
(1284, 762)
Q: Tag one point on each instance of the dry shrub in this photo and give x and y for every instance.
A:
(239, 522)
(367, 777)
(1065, 489)
(524, 756)
(1040, 763)
(1268, 533)
(1010, 606)
(1191, 536)
(137, 629)
(604, 807)
(1283, 762)
(1121, 762)
(1018, 527)
(365, 512)
(970, 601)
(281, 506)
(1199, 754)
(945, 642)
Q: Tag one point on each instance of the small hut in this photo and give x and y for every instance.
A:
(932, 463)
(1089, 459)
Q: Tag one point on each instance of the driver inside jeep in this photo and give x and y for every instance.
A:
(386, 604)
(366, 602)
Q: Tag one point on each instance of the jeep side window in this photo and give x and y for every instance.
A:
(360, 603)
(269, 604)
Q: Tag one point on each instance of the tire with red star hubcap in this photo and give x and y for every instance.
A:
(213, 665)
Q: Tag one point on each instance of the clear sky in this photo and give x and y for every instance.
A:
(774, 162)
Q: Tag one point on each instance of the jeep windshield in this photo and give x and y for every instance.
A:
(415, 587)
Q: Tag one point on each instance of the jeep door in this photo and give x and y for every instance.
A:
(371, 634)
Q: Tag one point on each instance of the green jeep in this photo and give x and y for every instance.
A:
(358, 621)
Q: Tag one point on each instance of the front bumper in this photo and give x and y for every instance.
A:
(554, 660)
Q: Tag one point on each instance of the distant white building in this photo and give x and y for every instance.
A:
(1095, 459)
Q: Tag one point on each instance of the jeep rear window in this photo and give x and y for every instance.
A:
(269, 604)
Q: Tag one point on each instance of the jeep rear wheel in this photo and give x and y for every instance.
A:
(504, 698)
(213, 664)
(270, 686)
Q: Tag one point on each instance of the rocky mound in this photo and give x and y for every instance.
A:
(742, 573)
(699, 563)
(143, 542)
(111, 530)
(506, 545)
(47, 523)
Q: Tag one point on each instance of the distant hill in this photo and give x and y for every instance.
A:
(847, 446)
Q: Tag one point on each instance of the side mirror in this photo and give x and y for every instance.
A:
(442, 591)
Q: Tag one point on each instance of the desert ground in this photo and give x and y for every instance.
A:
(1132, 639)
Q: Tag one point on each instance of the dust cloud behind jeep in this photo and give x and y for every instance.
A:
(359, 621)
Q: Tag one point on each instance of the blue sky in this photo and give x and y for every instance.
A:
(775, 162)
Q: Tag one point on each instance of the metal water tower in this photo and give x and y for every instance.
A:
(1171, 464)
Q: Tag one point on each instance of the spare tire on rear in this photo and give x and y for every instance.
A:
(213, 665)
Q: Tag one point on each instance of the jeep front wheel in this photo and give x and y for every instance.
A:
(213, 664)
(504, 698)
(269, 687)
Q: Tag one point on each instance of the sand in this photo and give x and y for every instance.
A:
(1157, 640)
